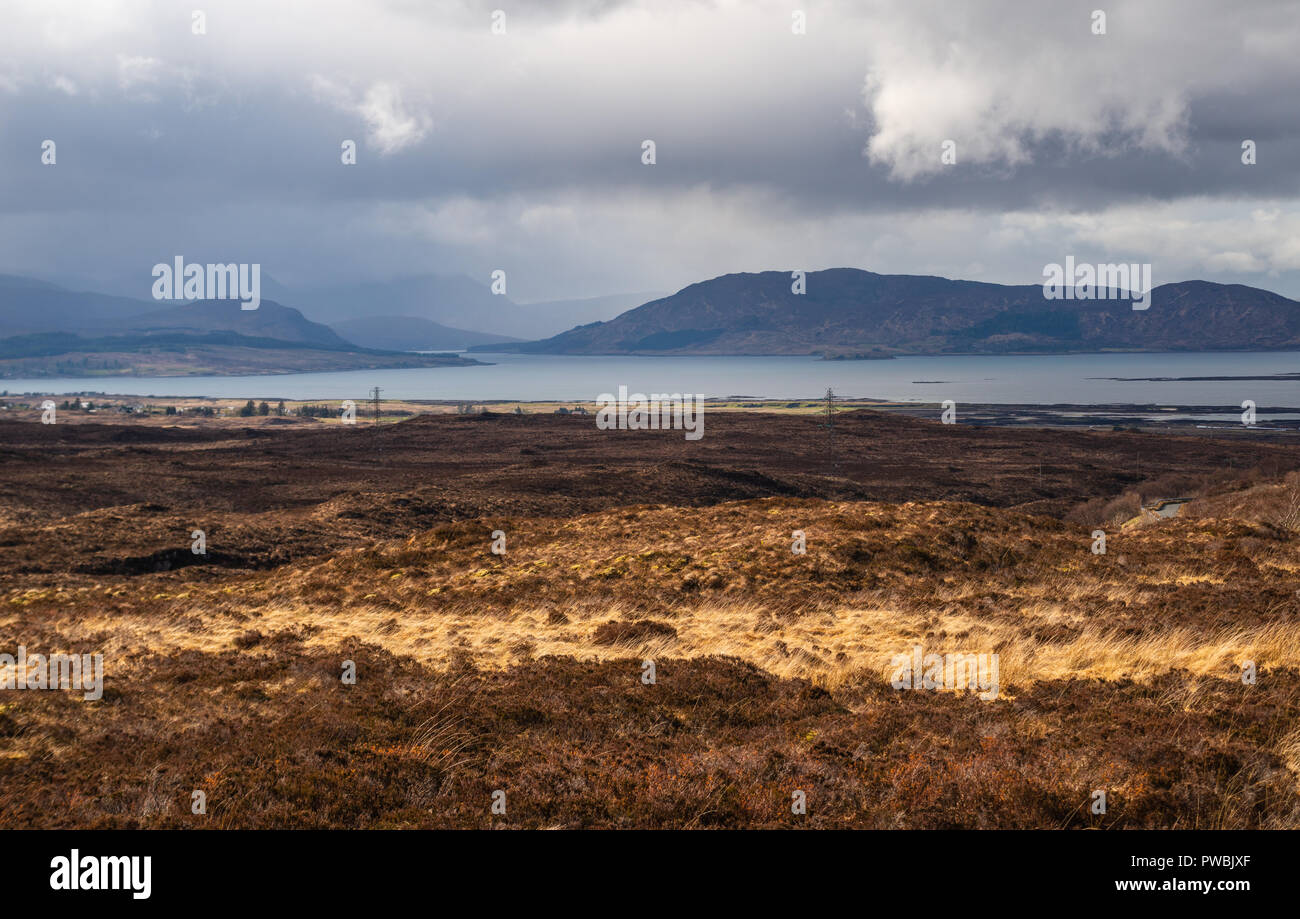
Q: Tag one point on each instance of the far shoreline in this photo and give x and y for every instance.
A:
(103, 408)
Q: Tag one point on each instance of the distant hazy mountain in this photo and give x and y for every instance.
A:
(847, 311)
(457, 301)
(270, 320)
(46, 330)
(565, 314)
(28, 306)
(405, 333)
(435, 312)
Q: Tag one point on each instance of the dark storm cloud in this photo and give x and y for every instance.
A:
(477, 150)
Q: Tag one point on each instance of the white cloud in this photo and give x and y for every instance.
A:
(998, 77)
(390, 126)
(1186, 238)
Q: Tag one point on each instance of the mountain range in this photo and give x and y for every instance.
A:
(50, 329)
(842, 313)
(28, 306)
(47, 330)
(847, 312)
(460, 310)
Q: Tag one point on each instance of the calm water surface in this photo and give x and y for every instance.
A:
(1070, 378)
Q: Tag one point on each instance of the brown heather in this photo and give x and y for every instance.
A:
(523, 672)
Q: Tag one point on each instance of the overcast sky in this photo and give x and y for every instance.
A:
(775, 150)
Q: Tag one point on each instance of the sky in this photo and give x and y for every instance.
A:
(520, 147)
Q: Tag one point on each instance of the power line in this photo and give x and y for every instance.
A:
(379, 450)
(830, 428)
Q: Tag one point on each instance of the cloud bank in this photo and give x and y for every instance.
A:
(521, 148)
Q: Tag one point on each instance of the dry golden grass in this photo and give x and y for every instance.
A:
(1119, 671)
(872, 585)
(828, 647)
